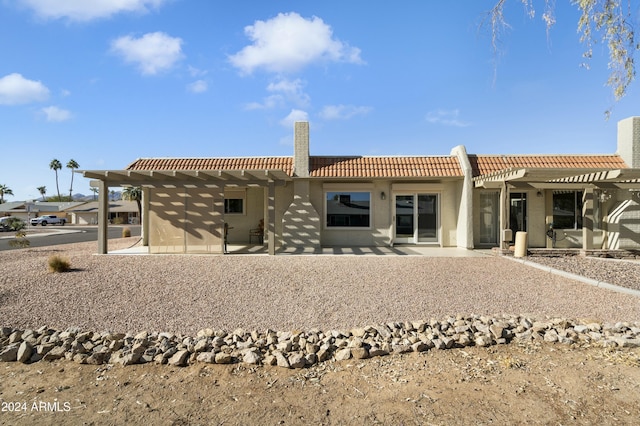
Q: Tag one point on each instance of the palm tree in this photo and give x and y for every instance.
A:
(72, 165)
(55, 165)
(95, 192)
(42, 190)
(4, 190)
(134, 193)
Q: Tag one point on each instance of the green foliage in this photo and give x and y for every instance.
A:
(59, 264)
(126, 232)
(4, 190)
(61, 198)
(56, 165)
(14, 224)
(134, 193)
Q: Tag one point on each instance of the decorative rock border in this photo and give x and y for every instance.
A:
(298, 349)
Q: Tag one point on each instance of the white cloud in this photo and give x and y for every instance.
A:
(269, 102)
(283, 91)
(291, 90)
(152, 53)
(56, 115)
(87, 10)
(294, 115)
(15, 90)
(343, 112)
(199, 86)
(196, 72)
(446, 118)
(289, 42)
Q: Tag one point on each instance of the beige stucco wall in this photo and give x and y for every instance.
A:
(381, 231)
(185, 220)
(623, 221)
(254, 210)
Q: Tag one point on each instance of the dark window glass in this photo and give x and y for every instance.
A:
(567, 209)
(233, 205)
(348, 209)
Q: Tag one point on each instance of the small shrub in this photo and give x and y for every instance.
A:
(118, 220)
(20, 241)
(126, 232)
(59, 264)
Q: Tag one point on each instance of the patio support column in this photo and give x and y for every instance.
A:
(271, 218)
(103, 214)
(218, 218)
(587, 219)
(504, 213)
(144, 220)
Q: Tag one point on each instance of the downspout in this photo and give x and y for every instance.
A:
(464, 231)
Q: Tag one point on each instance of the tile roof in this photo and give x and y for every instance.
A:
(385, 167)
(485, 164)
(371, 167)
(240, 163)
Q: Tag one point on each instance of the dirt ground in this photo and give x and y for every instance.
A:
(533, 383)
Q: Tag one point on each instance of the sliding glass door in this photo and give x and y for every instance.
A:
(416, 218)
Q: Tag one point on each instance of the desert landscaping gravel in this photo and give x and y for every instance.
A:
(184, 294)
(623, 273)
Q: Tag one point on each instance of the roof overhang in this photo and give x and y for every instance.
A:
(188, 178)
(542, 178)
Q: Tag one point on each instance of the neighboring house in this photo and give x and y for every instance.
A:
(26, 210)
(459, 200)
(120, 212)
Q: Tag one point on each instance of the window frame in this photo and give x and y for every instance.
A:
(347, 191)
(577, 209)
(235, 195)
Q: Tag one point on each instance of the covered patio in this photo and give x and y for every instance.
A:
(608, 195)
(183, 211)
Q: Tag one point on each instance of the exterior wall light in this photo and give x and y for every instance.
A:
(383, 196)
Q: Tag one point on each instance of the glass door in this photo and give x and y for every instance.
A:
(404, 218)
(489, 218)
(518, 212)
(416, 218)
(427, 213)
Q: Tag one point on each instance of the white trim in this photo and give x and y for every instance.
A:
(415, 241)
(347, 188)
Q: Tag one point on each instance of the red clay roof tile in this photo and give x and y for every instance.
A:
(485, 164)
(384, 167)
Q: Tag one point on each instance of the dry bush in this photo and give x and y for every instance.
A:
(126, 232)
(59, 264)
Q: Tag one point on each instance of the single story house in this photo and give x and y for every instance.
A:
(27, 210)
(457, 200)
(120, 212)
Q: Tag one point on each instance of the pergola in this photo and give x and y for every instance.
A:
(584, 179)
(214, 181)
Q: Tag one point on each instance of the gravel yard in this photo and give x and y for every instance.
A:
(623, 273)
(183, 294)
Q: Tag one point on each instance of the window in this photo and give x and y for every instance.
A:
(233, 205)
(567, 209)
(348, 209)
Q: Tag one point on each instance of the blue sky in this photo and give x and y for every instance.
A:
(106, 82)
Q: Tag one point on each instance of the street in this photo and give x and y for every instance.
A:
(42, 236)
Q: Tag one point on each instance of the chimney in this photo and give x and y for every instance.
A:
(301, 149)
(629, 141)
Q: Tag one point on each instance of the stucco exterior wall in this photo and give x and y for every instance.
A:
(623, 222)
(381, 231)
(186, 220)
(254, 209)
